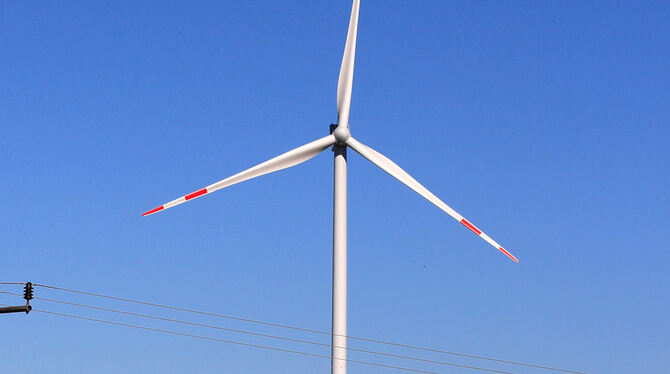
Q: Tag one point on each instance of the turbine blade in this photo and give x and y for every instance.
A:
(390, 167)
(346, 78)
(283, 161)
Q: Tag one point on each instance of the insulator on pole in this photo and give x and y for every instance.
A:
(28, 292)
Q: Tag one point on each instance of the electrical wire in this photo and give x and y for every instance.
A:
(369, 340)
(261, 334)
(413, 370)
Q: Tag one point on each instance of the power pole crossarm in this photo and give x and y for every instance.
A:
(16, 309)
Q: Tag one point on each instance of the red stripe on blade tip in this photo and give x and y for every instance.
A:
(508, 254)
(195, 194)
(470, 226)
(154, 210)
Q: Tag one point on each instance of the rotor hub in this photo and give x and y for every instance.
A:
(341, 133)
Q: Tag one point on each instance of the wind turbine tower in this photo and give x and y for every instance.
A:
(340, 139)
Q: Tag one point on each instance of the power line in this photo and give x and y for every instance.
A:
(370, 340)
(242, 343)
(261, 334)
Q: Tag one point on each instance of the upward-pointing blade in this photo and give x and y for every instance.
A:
(390, 167)
(346, 78)
(283, 161)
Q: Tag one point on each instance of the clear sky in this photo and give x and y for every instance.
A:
(546, 124)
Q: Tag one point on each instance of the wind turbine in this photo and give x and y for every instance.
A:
(340, 138)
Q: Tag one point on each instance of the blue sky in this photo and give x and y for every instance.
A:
(546, 124)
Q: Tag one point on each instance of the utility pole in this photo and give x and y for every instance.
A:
(27, 295)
